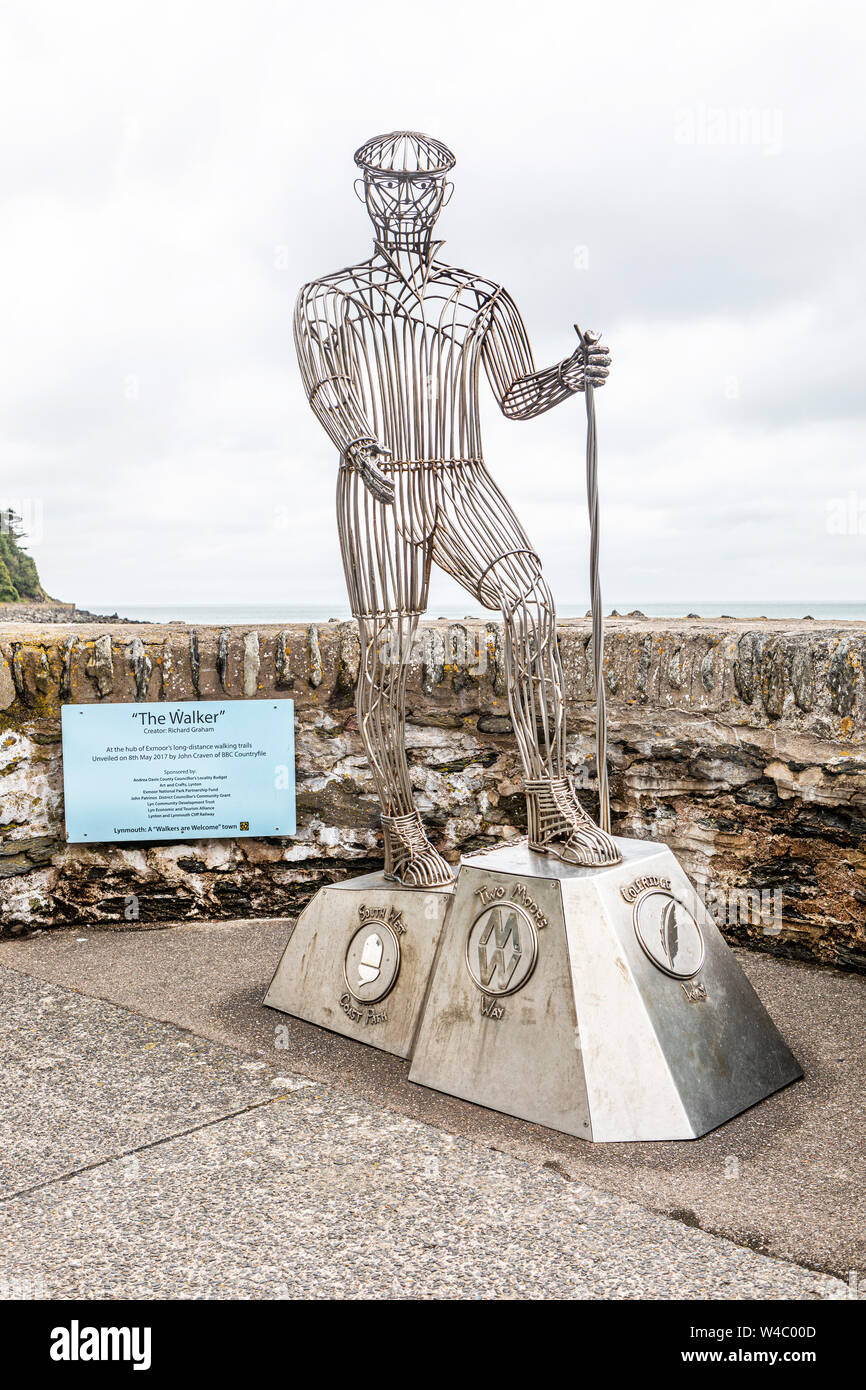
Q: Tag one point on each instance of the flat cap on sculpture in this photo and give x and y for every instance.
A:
(407, 154)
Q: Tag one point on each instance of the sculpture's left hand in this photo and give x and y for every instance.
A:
(587, 363)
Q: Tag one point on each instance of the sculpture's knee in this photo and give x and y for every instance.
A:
(514, 581)
(531, 604)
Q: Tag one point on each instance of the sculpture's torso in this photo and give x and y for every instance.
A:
(412, 345)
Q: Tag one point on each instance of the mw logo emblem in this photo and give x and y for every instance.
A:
(501, 949)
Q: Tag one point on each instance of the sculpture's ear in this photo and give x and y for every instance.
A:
(446, 199)
(360, 192)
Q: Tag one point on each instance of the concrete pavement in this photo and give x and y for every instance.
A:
(191, 1143)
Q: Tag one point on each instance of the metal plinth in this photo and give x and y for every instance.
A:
(600, 1002)
(359, 960)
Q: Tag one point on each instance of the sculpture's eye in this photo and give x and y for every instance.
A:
(424, 185)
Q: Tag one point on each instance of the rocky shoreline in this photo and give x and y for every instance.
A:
(56, 613)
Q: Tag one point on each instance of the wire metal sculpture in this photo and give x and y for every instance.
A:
(391, 352)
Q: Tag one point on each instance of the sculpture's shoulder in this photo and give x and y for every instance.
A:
(343, 284)
(483, 292)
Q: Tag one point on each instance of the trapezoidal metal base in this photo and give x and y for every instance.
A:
(359, 960)
(601, 1002)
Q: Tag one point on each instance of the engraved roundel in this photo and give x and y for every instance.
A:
(668, 934)
(372, 962)
(501, 948)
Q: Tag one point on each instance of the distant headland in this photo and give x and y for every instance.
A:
(22, 597)
(19, 578)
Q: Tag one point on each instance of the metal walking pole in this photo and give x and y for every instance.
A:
(595, 596)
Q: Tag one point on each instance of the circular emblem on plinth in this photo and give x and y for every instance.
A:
(668, 934)
(372, 962)
(501, 949)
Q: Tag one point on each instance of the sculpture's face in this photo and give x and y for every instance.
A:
(404, 206)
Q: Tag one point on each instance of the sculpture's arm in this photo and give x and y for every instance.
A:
(521, 390)
(327, 370)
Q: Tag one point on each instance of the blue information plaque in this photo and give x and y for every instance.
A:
(194, 770)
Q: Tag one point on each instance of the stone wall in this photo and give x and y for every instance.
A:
(740, 744)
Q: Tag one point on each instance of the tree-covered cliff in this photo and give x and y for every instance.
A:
(19, 578)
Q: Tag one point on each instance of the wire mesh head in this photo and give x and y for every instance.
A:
(405, 154)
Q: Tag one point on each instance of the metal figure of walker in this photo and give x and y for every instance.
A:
(390, 352)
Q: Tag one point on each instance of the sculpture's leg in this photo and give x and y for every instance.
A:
(380, 706)
(482, 544)
(387, 563)
(380, 703)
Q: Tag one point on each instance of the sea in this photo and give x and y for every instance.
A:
(216, 614)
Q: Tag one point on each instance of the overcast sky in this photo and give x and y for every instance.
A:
(687, 178)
